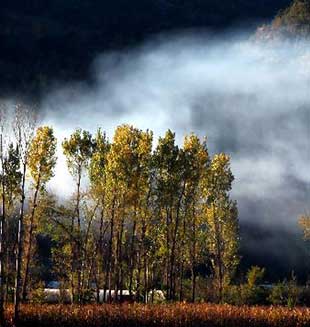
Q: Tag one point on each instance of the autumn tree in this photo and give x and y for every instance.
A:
(11, 182)
(78, 150)
(42, 161)
(222, 221)
(304, 223)
(24, 127)
(98, 183)
(169, 193)
(3, 230)
(196, 161)
(144, 218)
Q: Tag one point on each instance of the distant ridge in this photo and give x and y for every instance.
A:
(292, 22)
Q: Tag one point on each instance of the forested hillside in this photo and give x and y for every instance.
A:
(291, 22)
(53, 39)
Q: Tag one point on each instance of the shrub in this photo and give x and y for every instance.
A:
(167, 315)
(285, 293)
(37, 296)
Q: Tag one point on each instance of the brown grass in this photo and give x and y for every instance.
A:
(170, 315)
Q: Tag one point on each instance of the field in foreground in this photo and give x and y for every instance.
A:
(171, 315)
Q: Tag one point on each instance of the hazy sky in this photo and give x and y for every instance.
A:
(252, 101)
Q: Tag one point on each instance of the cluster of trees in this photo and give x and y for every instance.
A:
(140, 217)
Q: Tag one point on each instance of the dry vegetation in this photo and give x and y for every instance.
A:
(172, 315)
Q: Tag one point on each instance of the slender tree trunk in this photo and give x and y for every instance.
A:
(7, 257)
(101, 254)
(29, 248)
(145, 261)
(132, 256)
(120, 260)
(218, 258)
(109, 265)
(174, 242)
(19, 254)
(181, 281)
(145, 273)
(97, 280)
(79, 257)
(138, 278)
(168, 295)
(2, 240)
(193, 268)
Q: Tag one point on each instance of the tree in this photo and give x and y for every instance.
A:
(171, 206)
(24, 127)
(98, 182)
(222, 221)
(169, 191)
(11, 183)
(3, 230)
(304, 223)
(196, 168)
(42, 161)
(78, 150)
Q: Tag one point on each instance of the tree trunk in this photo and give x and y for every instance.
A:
(79, 256)
(145, 273)
(173, 247)
(29, 249)
(194, 259)
(19, 254)
(3, 244)
(218, 256)
(138, 278)
(132, 256)
(109, 265)
(100, 252)
(181, 281)
(168, 295)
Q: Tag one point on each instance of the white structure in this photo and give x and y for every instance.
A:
(125, 294)
(56, 295)
(156, 296)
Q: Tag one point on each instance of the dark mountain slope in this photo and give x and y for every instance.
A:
(56, 39)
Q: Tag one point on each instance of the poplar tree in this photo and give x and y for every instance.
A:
(169, 190)
(23, 127)
(196, 168)
(3, 230)
(98, 183)
(11, 182)
(222, 222)
(78, 150)
(42, 161)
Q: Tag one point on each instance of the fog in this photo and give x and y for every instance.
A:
(250, 99)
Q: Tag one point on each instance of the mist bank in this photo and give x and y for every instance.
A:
(250, 99)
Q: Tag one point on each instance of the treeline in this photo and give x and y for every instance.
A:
(142, 216)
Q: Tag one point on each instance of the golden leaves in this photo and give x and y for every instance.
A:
(42, 158)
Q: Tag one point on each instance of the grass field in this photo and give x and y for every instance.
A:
(170, 315)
